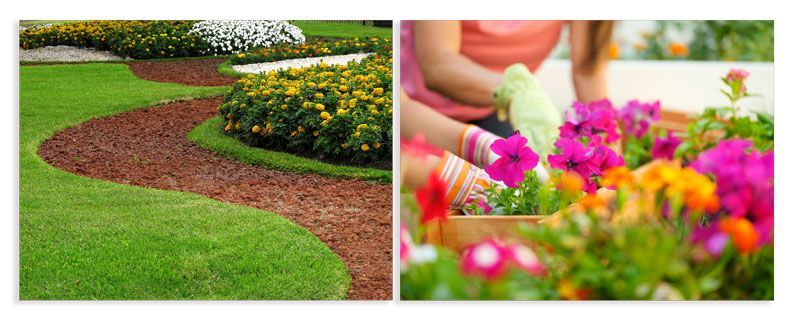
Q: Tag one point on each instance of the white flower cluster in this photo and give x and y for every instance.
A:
(235, 36)
(34, 26)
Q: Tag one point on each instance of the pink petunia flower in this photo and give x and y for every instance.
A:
(405, 244)
(636, 117)
(526, 259)
(665, 147)
(589, 120)
(486, 259)
(736, 75)
(515, 159)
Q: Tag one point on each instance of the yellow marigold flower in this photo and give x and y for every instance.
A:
(320, 107)
(324, 115)
(364, 147)
(240, 55)
(343, 88)
(251, 94)
(301, 129)
(238, 126)
(345, 145)
(228, 116)
(361, 126)
(311, 85)
(316, 133)
(255, 129)
(375, 112)
(341, 111)
(376, 145)
(294, 133)
(358, 93)
(284, 107)
(357, 134)
(319, 95)
(377, 91)
(228, 127)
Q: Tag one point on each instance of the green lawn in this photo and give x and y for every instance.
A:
(341, 30)
(209, 135)
(83, 238)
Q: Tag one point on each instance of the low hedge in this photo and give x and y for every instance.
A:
(340, 113)
(316, 48)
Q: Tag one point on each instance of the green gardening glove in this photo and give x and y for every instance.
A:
(521, 98)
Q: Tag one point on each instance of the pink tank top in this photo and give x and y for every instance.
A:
(493, 44)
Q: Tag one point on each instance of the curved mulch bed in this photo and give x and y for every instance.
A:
(148, 147)
(193, 72)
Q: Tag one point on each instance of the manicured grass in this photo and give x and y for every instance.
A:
(209, 135)
(82, 238)
(341, 30)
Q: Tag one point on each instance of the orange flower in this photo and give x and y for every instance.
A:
(678, 49)
(744, 235)
(571, 182)
(618, 177)
(613, 50)
(592, 201)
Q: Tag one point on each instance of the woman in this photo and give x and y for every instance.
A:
(456, 66)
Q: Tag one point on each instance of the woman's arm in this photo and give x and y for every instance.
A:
(590, 84)
(446, 71)
(439, 130)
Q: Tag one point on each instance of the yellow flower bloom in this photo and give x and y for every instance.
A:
(255, 129)
(376, 145)
(364, 147)
(320, 107)
(324, 115)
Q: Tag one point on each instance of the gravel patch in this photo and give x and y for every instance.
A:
(65, 53)
(299, 63)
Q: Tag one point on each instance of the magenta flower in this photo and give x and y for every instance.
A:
(712, 239)
(486, 259)
(665, 147)
(527, 260)
(604, 158)
(745, 182)
(573, 157)
(637, 117)
(588, 162)
(596, 118)
(515, 159)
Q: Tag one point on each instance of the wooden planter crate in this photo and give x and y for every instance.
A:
(459, 231)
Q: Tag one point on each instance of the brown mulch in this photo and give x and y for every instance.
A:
(193, 72)
(148, 147)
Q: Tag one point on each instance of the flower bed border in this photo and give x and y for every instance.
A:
(209, 135)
